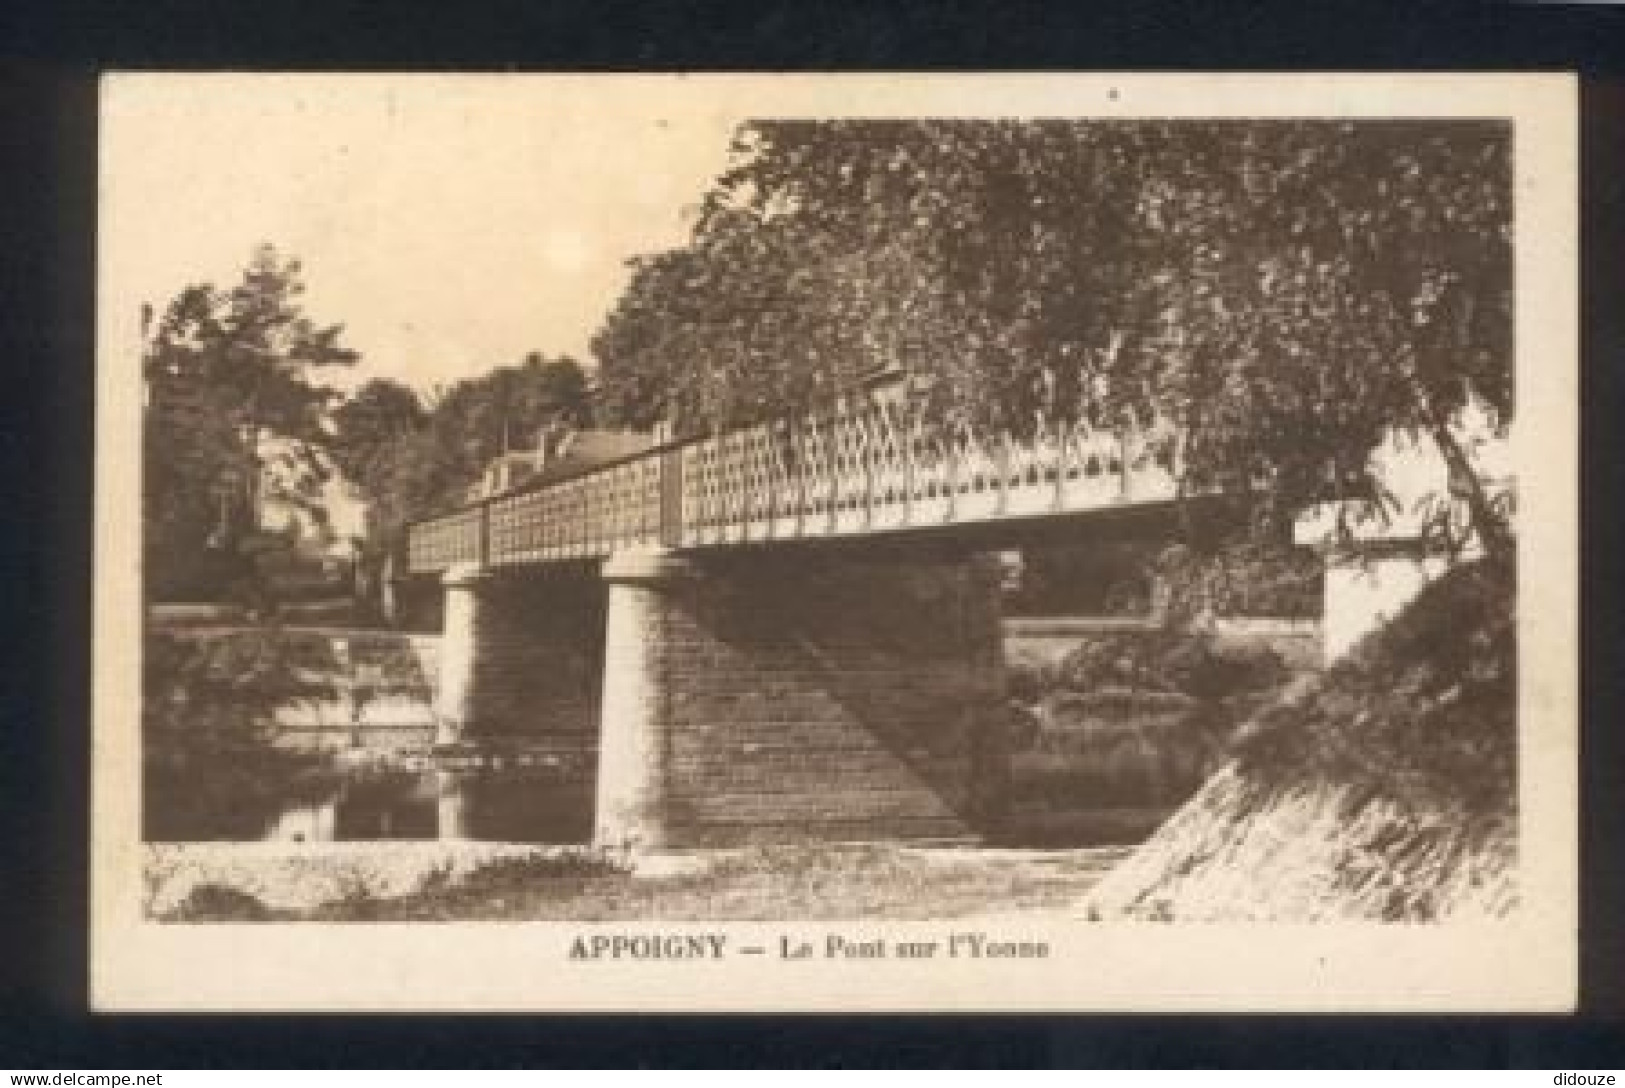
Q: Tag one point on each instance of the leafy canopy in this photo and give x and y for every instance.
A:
(224, 370)
(411, 459)
(1282, 292)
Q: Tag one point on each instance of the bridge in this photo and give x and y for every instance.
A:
(869, 466)
(792, 631)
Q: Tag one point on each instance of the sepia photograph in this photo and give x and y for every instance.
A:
(963, 542)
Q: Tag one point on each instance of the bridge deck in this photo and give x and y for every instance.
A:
(865, 468)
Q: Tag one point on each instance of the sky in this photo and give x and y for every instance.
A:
(454, 223)
(451, 225)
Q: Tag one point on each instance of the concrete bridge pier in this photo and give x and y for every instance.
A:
(519, 660)
(796, 697)
(468, 588)
(451, 805)
(778, 696)
(634, 750)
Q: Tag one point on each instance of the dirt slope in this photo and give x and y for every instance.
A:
(1385, 788)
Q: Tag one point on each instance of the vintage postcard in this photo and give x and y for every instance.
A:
(882, 542)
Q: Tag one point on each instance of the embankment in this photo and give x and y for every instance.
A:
(1383, 789)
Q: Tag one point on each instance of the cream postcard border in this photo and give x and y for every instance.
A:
(1529, 963)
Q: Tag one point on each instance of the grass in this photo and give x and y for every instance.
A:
(759, 884)
(823, 882)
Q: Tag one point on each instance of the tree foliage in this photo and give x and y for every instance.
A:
(1283, 293)
(375, 415)
(412, 460)
(510, 408)
(225, 370)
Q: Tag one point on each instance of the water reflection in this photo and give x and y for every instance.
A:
(505, 804)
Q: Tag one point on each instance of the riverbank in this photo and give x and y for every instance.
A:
(469, 881)
(1384, 790)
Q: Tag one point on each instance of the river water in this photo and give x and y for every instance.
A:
(413, 797)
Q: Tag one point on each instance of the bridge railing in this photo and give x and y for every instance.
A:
(868, 466)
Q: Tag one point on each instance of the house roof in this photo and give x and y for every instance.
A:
(582, 452)
(599, 447)
(589, 449)
(513, 457)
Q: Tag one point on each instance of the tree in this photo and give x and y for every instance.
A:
(223, 371)
(509, 409)
(194, 460)
(1283, 293)
(377, 414)
(412, 460)
(1349, 281)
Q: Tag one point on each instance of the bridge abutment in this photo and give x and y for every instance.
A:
(1369, 575)
(1367, 585)
(1377, 562)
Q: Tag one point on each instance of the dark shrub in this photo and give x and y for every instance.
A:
(518, 871)
(1198, 666)
(1192, 663)
(1126, 661)
(1026, 683)
(219, 903)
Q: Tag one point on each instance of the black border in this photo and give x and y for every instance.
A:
(50, 53)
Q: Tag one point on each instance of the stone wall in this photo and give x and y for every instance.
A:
(807, 698)
(334, 688)
(1044, 641)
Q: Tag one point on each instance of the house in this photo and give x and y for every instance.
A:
(303, 496)
(558, 455)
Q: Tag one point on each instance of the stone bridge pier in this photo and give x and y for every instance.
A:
(519, 657)
(786, 696)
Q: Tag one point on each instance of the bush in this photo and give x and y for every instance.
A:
(219, 903)
(557, 865)
(1245, 576)
(1196, 665)
(1191, 663)
(1026, 684)
(499, 881)
(1114, 661)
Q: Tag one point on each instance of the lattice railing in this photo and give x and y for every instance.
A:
(870, 466)
(455, 538)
